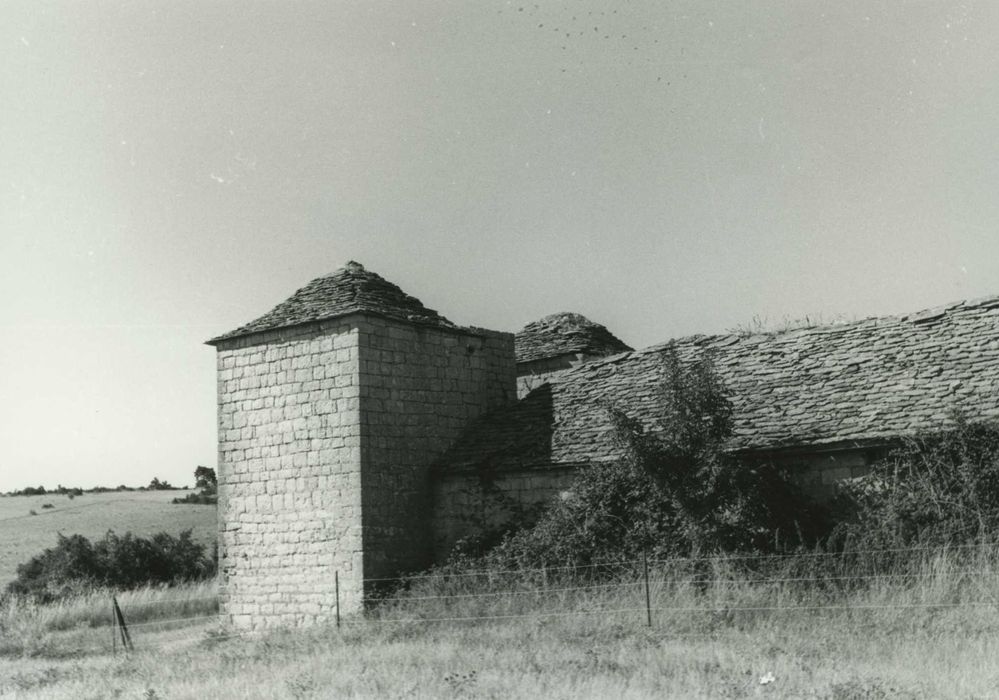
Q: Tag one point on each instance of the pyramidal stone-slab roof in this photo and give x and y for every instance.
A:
(864, 382)
(351, 289)
(565, 334)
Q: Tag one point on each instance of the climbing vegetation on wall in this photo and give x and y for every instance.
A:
(676, 492)
(936, 488)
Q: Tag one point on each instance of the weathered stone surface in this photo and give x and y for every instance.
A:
(349, 290)
(326, 433)
(467, 504)
(565, 333)
(289, 475)
(360, 432)
(421, 389)
(870, 380)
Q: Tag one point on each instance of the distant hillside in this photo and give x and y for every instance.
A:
(23, 535)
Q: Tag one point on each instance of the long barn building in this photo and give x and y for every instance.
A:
(362, 434)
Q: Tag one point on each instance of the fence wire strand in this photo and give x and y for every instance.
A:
(492, 594)
(675, 609)
(132, 606)
(674, 560)
(630, 577)
(673, 583)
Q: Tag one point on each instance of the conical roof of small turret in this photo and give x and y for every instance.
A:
(349, 290)
(565, 333)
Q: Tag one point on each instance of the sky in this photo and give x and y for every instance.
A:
(171, 170)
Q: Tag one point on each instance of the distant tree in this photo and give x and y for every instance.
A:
(204, 478)
(157, 485)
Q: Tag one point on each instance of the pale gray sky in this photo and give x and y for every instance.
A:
(170, 170)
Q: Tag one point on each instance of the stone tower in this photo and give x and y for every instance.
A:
(330, 409)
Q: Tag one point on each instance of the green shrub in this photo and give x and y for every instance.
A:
(198, 498)
(120, 562)
(676, 492)
(940, 488)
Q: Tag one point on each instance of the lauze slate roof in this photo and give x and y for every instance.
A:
(351, 289)
(565, 334)
(863, 382)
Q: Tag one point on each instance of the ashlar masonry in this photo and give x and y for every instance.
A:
(362, 434)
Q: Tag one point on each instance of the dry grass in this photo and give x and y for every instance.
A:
(82, 622)
(925, 626)
(144, 513)
(834, 657)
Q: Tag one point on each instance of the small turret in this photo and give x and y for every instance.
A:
(558, 342)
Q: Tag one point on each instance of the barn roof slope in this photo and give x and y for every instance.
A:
(865, 381)
(351, 289)
(565, 333)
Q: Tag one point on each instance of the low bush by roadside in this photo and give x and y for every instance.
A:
(115, 561)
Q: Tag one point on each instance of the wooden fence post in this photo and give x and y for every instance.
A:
(336, 585)
(114, 630)
(648, 600)
(126, 638)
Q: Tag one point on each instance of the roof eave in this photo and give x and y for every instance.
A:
(462, 330)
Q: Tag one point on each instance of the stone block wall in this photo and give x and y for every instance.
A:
(467, 504)
(818, 473)
(289, 474)
(420, 388)
(326, 433)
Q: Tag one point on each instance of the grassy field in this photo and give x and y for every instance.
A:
(927, 628)
(840, 658)
(23, 535)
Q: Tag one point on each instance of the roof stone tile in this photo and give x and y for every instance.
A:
(565, 333)
(864, 381)
(351, 289)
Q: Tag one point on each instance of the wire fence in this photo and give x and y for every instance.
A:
(689, 597)
(682, 592)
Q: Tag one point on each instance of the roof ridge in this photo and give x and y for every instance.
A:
(716, 340)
